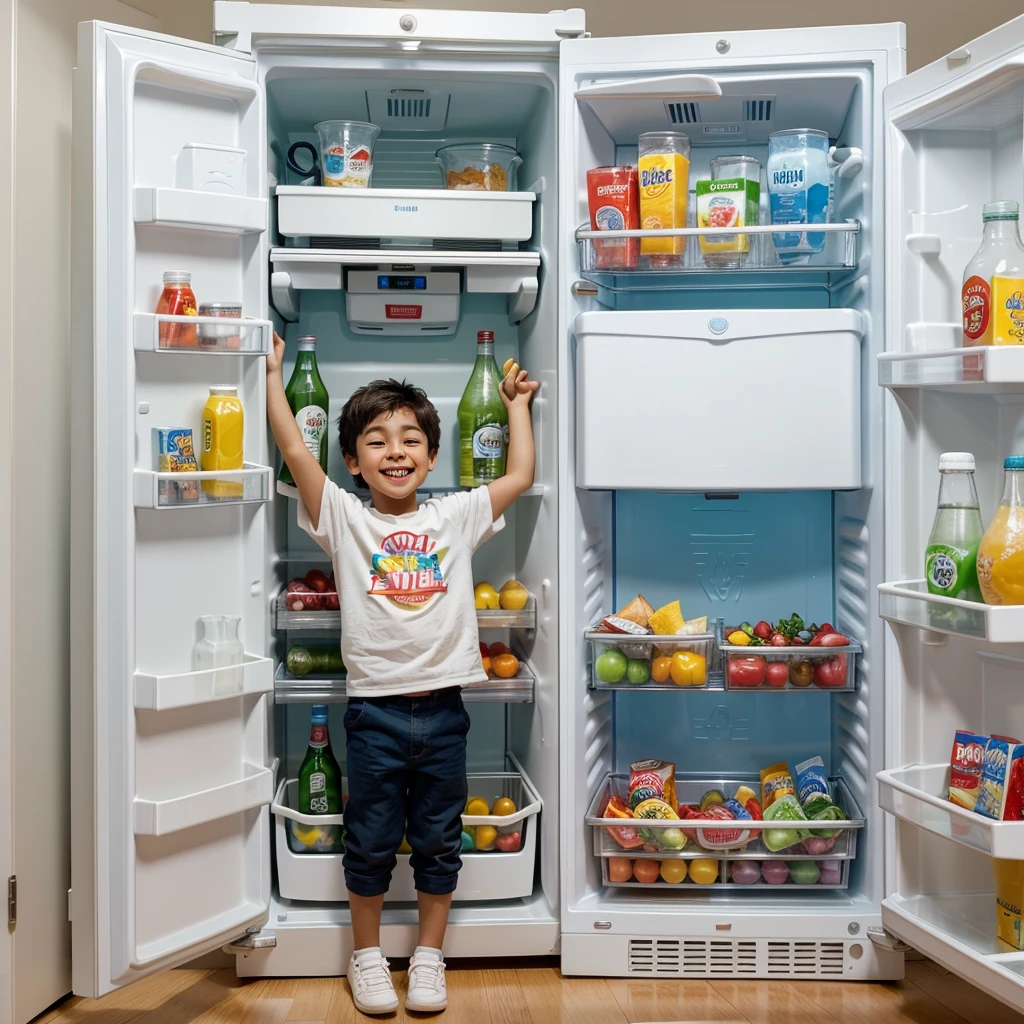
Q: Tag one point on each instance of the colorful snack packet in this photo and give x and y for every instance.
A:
(1013, 809)
(775, 783)
(175, 453)
(965, 765)
(811, 779)
(653, 779)
(995, 776)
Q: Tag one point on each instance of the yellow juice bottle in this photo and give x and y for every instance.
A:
(663, 166)
(1009, 877)
(223, 430)
(1001, 551)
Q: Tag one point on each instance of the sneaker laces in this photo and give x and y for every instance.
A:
(426, 971)
(375, 977)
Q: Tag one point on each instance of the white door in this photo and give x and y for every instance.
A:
(954, 137)
(171, 774)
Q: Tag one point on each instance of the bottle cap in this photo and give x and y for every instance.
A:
(319, 713)
(223, 389)
(1013, 462)
(956, 462)
(177, 277)
(1005, 209)
(306, 341)
(482, 336)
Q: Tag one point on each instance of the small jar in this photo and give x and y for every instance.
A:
(177, 299)
(216, 335)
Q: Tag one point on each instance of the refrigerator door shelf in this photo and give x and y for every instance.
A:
(247, 486)
(985, 370)
(193, 210)
(325, 689)
(306, 211)
(255, 675)
(909, 603)
(837, 878)
(215, 336)
(918, 794)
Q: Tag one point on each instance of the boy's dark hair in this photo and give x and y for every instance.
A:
(386, 397)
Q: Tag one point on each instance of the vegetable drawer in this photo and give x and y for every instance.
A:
(748, 400)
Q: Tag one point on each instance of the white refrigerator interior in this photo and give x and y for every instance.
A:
(714, 435)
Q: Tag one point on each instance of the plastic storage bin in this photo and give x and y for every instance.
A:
(640, 653)
(318, 876)
(809, 668)
(688, 400)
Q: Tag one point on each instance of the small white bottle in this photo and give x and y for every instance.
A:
(220, 648)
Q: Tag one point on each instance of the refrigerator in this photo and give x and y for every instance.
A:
(751, 441)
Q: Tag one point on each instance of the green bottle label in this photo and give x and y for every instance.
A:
(950, 570)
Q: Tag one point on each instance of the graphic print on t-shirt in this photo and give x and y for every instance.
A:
(407, 570)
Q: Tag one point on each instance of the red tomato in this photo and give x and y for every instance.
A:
(830, 672)
(646, 871)
(317, 580)
(779, 640)
(778, 673)
(746, 671)
(763, 630)
(833, 640)
(485, 651)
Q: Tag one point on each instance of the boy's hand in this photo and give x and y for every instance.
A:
(516, 388)
(275, 358)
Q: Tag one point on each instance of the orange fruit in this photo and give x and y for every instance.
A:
(505, 666)
(661, 668)
(498, 648)
(487, 665)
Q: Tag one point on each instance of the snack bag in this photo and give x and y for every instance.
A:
(965, 765)
(614, 199)
(1013, 808)
(995, 774)
(653, 780)
(175, 453)
(776, 782)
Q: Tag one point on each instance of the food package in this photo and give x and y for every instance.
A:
(966, 763)
(653, 779)
(638, 610)
(618, 624)
(995, 776)
(613, 195)
(785, 807)
(1009, 876)
(175, 453)
(726, 203)
(1013, 809)
(667, 620)
(628, 836)
(776, 782)
(811, 779)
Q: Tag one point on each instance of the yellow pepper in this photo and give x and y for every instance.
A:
(689, 669)
(738, 638)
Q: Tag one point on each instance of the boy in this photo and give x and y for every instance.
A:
(410, 642)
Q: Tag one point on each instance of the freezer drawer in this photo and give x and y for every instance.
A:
(747, 400)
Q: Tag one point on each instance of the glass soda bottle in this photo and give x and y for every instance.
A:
(319, 775)
(993, 285)
(950, 560)
(309, 403)
(1001, 551)
(483, 420)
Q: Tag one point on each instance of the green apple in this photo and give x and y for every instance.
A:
(611, 666)
(638, 670)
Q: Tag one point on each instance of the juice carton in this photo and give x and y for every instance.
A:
(614, 199)
(1009, 876)
(995, 775)
(653, 779)
(965, 768)
(725, 204)
(664, 169)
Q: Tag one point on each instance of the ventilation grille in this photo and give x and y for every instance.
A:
(683, 113)
(758, 110)
(805, 958)
(408, 110)
(408, 107)
(707, 958)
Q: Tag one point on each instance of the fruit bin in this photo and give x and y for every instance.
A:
(831, 875)
(492, 875)
(636, 655)
(804, 663)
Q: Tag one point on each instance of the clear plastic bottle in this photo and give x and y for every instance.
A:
(1001, 551)
(994, 280)
(221, 649)
(950, 560)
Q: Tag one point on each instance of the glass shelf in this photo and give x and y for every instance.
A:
(202, 335)
(908, 602)
(247, 486)
(985, 370)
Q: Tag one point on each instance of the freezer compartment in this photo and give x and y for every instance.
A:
(420, 215)
(807, 668)
(699, 400)
(908, 602)
(621, 661)
(724, 833)
(768, 876)
(919, 794)
(309, 848)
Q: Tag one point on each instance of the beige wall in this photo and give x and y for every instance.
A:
(934, 27)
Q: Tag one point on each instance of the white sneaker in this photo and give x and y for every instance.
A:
(428, 992)
(369, 974)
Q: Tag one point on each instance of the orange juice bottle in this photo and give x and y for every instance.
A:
(223, 428)
(1001, 551)
(663, 165)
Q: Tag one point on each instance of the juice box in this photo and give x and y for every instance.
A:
(965, 764)
(1009, 876)
(175, 453)
(664, 169)
(995, 776)
(614, 199)
(732, 202)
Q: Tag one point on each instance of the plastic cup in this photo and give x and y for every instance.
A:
(346, 152)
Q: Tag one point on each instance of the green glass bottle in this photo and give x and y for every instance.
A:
(319, 776)
(308, 400)
(483, 420)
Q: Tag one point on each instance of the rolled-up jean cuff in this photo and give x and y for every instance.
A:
(436, 886)
(363, 886)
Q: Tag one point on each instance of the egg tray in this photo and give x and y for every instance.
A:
(724, 866)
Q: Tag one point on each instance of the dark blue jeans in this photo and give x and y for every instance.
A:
(406, 763)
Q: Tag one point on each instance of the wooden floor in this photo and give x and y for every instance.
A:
(528, 993)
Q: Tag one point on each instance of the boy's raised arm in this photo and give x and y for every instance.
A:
(305, 470)
(517, 391)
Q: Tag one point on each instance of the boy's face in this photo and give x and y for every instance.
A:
(392, 455)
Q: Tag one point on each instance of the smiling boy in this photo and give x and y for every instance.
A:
(409, 639)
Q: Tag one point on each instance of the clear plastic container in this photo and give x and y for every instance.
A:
(807, 668)
(346, 152)
(219, 648)
(217, 336)
(663, 164)
(479, 167)
(619, 661)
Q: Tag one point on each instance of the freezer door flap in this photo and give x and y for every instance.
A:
(170, 841)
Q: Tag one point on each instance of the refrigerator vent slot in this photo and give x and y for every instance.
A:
(408, 109)
(697, 957)
(758, 110)
(683, 113)
(805, 958)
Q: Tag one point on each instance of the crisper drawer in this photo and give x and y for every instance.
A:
(748, 400)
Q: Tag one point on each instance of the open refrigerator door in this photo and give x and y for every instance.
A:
(171, 768)
(953, 144)
(721, 446)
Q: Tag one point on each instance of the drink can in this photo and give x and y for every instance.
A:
(614, 198)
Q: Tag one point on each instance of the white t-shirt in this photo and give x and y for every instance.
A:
(405, 586)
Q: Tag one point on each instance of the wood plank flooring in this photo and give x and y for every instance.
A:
(534, 992)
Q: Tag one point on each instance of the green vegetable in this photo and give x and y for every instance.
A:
(786, 808)
(638, 670)
(299, 661)
(804, 872)
(828, 812)
(791, 626)
(302, 660)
